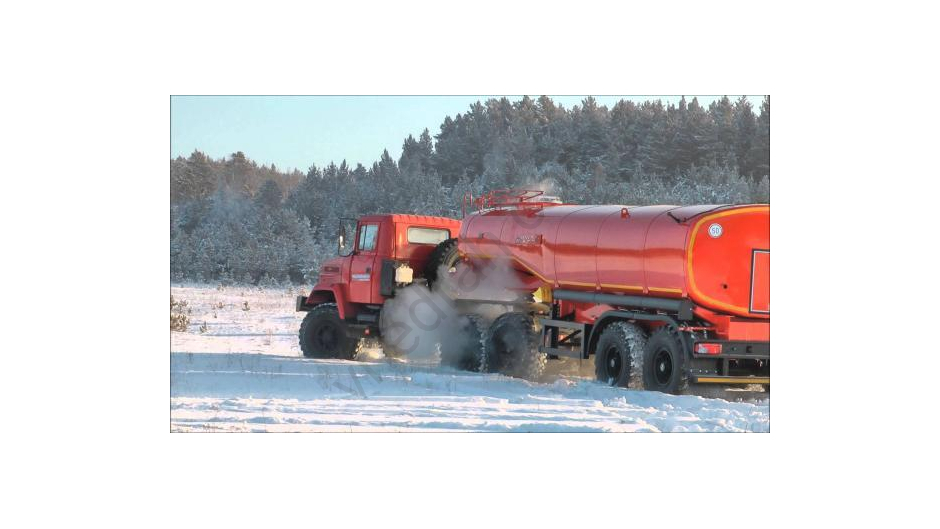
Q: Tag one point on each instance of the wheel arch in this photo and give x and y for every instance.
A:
(612, 316)
(333, 294)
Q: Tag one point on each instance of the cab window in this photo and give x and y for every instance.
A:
(367, 236)
(427, 235)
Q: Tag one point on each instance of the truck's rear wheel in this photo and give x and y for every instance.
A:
(509, 347)
(323, 334)
(664, 363)
(618, 357)
(463, 349)
(443, 258)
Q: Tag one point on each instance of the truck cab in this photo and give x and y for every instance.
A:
(385, 251)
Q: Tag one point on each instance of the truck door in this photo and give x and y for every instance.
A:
(363, 269)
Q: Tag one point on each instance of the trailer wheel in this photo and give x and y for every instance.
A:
(443, 256)
(664, 363)
(323, 334)
(463, 349)
(618, 356)
(509, 347)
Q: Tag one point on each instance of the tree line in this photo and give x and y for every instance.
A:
(235, 221)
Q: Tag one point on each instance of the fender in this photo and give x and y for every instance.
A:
(611, 316)
(332, 294)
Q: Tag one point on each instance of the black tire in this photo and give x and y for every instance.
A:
(509, 347)
(463, 349)
(618, 356)
(323, 334)
(664, 363)
(443, 256)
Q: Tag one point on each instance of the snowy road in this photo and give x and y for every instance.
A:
(245, 373)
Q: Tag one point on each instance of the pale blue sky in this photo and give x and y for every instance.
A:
(296, 131)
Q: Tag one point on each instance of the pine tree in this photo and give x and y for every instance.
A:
(652, 152)
(269, 196)
(590, 122)
(746, 131)
(387, 169)
(425, 151)
(760, 154)
(688, 133)
(624, 117)
(723, 133)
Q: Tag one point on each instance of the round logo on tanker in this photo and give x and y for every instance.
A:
(715, 230)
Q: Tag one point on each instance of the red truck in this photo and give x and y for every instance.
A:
(662, 297)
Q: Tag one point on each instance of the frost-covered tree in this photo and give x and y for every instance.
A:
(760, 153)
(269, 196)
(234, 220)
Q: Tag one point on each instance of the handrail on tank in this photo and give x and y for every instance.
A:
(499, 198)
(467, 199)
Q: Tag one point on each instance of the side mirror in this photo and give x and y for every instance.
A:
(342, 237)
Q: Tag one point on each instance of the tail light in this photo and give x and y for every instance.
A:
(708, 348)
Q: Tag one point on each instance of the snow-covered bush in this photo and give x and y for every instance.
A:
(179, 315)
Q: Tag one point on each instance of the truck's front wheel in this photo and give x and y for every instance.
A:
(323, 334)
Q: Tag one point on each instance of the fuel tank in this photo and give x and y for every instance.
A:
(717, 256)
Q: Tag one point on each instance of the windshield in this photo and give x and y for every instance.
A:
(346, 230)
(367, 236)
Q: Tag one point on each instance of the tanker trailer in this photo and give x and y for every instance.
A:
(661, 296)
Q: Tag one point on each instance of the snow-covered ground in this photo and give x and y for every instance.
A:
(241, 370)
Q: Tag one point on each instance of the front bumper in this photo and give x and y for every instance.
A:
(301, 304)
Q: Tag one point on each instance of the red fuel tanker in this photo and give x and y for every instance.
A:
(695, 279)
(663, 297)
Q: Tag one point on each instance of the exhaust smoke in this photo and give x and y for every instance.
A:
(421, 323)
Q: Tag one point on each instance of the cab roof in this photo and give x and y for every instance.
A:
(404, 218)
